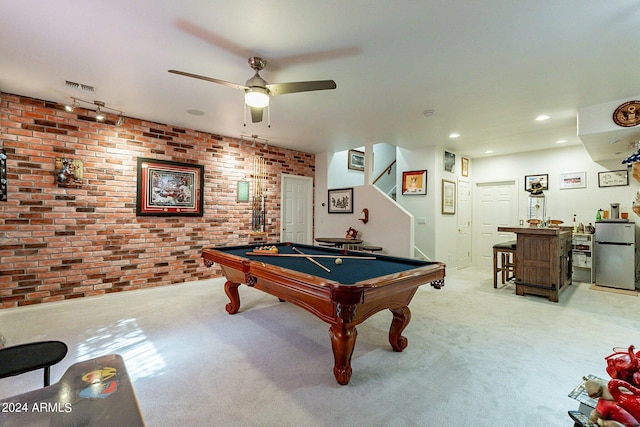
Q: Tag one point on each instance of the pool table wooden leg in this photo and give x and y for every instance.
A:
(401, 318)
(343, 341)
(231, 289)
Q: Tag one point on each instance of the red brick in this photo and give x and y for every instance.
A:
(45, 226)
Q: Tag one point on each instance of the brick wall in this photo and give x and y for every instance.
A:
(59, 243)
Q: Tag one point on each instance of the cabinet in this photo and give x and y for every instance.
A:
(543, 260)
(582, 257)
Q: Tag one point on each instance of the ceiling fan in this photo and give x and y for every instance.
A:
(257, 91)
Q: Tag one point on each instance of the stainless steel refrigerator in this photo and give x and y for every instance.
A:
(614, 254)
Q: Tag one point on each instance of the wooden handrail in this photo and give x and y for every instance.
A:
(387, 170)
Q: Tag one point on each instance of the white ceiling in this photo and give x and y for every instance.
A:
(487, 68)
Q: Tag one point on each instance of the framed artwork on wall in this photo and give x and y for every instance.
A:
(341, 200)
(414, 183)
(617, 178)
(542, 179)
(3, 175)
(68, 172)
(449, 161)
(356, 160)
(167, 188)
(464, 166)
(243, 191)
(448, 197)
(573, 180)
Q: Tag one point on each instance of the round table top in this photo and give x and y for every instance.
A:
(338, 240)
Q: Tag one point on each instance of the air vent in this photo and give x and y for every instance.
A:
(79, 86)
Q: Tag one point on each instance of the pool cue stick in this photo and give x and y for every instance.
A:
(312, 260)
(309, 255)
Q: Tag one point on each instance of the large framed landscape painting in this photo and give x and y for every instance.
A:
(168, 188)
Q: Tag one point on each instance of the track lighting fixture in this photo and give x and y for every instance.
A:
(101, 115)
(71, 107)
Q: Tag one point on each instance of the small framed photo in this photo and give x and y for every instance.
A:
(167, 188)
(542, 179)
(573, 180)
(243, 191)
(341, 200)
(68, 172)
(464, 166)
(449, 161)
(448, 197)
(356, 160)
(617, 178)
(414, 183)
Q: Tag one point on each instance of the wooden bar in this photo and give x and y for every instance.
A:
(543, 260)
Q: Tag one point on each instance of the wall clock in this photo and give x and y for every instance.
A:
(627, 114)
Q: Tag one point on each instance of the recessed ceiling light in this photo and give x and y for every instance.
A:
(543, 117)
(561, 141)
(428, 112)
(488, 152)
(454, 135)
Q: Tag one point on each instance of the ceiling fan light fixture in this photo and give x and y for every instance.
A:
(256, 97)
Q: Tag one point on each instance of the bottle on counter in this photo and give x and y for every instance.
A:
(599, 215)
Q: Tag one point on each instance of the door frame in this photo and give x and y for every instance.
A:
(309, 191)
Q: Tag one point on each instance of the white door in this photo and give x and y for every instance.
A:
(464, 224)
(296, 212)
(497, 205)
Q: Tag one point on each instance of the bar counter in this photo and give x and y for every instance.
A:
(542, 260)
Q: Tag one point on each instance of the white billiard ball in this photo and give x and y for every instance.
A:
(338, 261)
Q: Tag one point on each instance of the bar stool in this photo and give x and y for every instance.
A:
(504, 261)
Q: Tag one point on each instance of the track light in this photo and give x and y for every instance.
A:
(71, 107)
(101, 115)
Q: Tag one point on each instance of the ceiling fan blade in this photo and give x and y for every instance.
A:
(209, 79)
(293, 87)
(256, 114)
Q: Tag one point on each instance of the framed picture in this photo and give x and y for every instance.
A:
(448, 197)
(542, 179)
(573, 180)
(341, 200)
(414, 182)
(356, 160)
(243, 191)
(617, 178)
(68, 172)
(465, 166)
(449, 161)
(3, 175)
(169, 188)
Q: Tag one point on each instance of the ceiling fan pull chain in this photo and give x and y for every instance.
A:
(244, 116)
(269, 116)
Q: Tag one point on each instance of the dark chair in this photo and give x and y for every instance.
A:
(504, 261)
(18, 359)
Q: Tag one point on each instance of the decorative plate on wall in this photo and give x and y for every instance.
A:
(627, 114)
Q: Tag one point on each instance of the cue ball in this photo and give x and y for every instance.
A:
(338, 261)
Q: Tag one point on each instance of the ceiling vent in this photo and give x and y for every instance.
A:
(79, 86)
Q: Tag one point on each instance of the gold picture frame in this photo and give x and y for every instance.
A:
(448, 197)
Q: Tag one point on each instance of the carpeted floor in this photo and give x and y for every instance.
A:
(477, 356)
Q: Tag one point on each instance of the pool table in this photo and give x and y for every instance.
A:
(344, 296)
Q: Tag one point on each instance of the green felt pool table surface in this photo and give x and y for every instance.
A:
(352, 270)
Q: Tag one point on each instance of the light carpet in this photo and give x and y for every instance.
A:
(477, 355)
